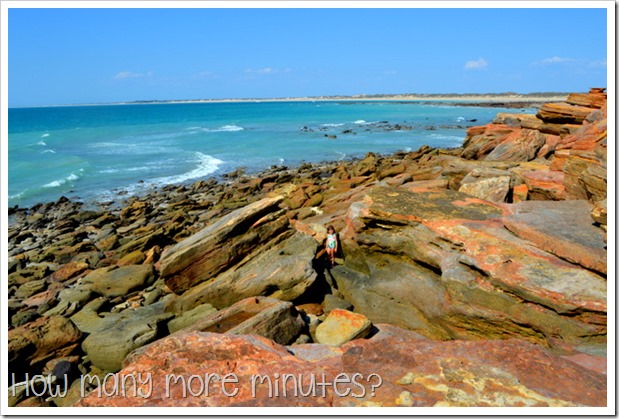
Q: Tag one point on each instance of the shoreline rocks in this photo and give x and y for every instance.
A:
(494, 248)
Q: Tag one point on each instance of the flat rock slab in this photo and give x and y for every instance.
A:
(563, 228)
(404, 206)
(521, 269)
(120, 282)
(264, 316)
(342, 326)
(218, 246)
(283, 271)
(396, 369)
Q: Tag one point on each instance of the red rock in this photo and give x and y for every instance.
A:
(549, 147)
(398, 369)
(590, 100)
(519, 146)
(68, 271)
(593, 363)
(520, 193)
(577, 241)
(421, 262)
(545, 185)
(563, 113)
(40, 298)
(483, 139)
(584, 138)
(523, 270)
(311, 308)
(282, 270)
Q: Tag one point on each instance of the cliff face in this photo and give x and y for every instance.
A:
(477, 276)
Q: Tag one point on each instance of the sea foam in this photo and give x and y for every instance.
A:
(206, 165)
(56, 183)
(223, 128)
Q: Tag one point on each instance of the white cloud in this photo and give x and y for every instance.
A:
(204, 75)
(476, 64)
(131, 75)
(556, 60)
(598, 63)
(266, 70)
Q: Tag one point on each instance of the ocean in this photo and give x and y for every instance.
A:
(98, 153)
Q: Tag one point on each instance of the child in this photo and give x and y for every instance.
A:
(331, 244)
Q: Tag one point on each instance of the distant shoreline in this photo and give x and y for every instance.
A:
(471, 99)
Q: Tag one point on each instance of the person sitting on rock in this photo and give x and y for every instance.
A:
(331, 244)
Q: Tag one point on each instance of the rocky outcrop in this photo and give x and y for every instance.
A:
(489, 261)
(220, 245)
(568, 138)
(444, 265)
(394, 368)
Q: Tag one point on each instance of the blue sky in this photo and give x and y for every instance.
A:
(65, 56)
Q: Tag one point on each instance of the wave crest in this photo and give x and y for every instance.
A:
(223, 128)
(56, 183)
(206, 165)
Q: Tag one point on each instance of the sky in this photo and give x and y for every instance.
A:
(72, 56)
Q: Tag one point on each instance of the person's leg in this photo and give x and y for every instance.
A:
(331, 255)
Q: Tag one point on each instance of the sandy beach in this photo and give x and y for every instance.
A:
(489, 98)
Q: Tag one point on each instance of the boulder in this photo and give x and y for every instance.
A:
(545, 185)
(393, 369)
(111, 282)
(220, 245)
(264, 316)
(342, 326)
(563, 113)
(34, 343)
(589, 100)
(529, 121)
(68, 271)
(522, 145)
(481, 140)
(488, 184)
(112, 337)
(284, 271)
(599, 212)
(367, 166)
(31, 288)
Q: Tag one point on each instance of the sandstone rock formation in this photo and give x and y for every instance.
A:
(394, 368)
(488, 261)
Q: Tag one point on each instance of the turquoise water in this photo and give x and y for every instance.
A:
(96, 153)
